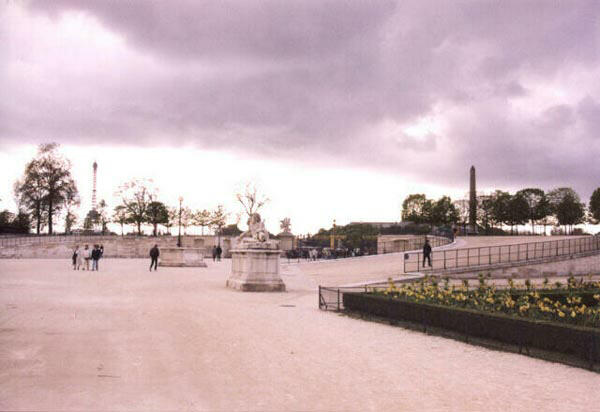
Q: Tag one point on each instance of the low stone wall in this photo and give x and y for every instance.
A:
(403, 243)
(117, 247)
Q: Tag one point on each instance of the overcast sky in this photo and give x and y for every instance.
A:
(339, 109)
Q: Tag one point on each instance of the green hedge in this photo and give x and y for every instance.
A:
(563, 338)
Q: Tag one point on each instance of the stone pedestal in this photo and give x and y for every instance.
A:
(182, 257)
(255, 268)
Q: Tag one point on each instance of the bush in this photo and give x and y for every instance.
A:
(582, 342)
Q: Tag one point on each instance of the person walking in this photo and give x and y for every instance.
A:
(154, 254)
(95, 257)
(75, 256)
(219, 251)
(427, 253)
(214, 253)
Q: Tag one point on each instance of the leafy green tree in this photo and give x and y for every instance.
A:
(567, 207)
(537, 205)
(417, 208)
(517, 211)
(359, 235)
(499, 206)
(30, 194)
(444, 212)
(157, 214)
(47, 182)
(595, 206)
(231, 230)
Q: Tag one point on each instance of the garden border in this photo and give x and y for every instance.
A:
(581, 342)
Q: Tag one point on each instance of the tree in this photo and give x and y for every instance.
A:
(30, 194)
(537, 205)
(202, 218)
(567, 207)
(417, 208)
(219, 219)
(250, 200)
(595, 206)
(157, 214)
(70, 202)
(187, 218)
(443, 212)
(46, 183)
(11, 223)
(173, 214)
(231, 230)
(484, 212)
(517, 211)
(120, 216)
(135, 196)
(499, 206)
(463, 212)
(103, 219)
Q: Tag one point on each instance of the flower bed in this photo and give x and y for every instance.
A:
(556, 319)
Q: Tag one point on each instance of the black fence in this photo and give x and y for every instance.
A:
(332, 297)
(482, 257)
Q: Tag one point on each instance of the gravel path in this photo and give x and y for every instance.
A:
(126, 339)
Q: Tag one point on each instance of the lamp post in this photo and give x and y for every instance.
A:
(179, 235)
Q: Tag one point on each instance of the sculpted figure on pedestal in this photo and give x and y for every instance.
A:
(256, 230)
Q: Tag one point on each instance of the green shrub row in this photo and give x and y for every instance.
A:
(582, 342)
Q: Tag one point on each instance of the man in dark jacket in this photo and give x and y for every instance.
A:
(219, 251)
(154, 254)
(427, 252)
(96, 254)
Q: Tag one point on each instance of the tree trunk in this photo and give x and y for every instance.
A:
(155, 227)
(139, 225)
(38, 216)
(50, 217)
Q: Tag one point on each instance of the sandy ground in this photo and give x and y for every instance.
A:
(125, 339)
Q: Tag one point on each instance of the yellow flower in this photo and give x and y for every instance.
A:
(573, 314)
(561, 314)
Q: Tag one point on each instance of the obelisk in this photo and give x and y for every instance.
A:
(473, 203)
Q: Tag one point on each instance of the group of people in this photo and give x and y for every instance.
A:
(81, 258)
(216, 253)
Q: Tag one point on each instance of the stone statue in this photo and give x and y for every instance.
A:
(256, 230)
(285, 225)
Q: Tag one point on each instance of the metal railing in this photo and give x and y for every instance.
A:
(486, 256)
(332, 297)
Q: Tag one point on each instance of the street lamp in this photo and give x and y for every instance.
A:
(179, 235)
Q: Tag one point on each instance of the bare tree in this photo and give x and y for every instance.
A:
(136, 195)
(203, 219)
(251, 200)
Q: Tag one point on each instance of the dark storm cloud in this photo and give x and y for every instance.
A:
(319, 80)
